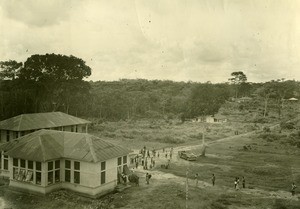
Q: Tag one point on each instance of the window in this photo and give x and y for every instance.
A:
(120, 161)
(38, 174)
(16, 162)
(53, 172)
(67, 175)
(5, 162)
(102, 176)
(72, 128)
(76, 128)
(76, 165)
(50, 173)
(38, 166)
(38, 178)
(67, 170)
(22, 133)
(124, 159)
(23, 171)
(7, 136)
(16, 135)
(68, 164)
(76, 172)
(30, 164)
(23, 163)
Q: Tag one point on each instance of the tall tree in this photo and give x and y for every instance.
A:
(54, 80)
(238, 79)
(9, 69)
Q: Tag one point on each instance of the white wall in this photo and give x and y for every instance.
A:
(90, 182)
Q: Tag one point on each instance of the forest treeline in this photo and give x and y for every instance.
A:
(54, 82)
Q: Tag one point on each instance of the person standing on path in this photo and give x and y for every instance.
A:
(148, 176)
(235, 183)
(196, 179)
(293, 188)
(213, 179)
(136, 164)
(244, 182)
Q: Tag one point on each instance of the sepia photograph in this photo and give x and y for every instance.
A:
(149, 104)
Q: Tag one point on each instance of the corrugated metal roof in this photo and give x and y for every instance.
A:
(35, 121)
(46, 145)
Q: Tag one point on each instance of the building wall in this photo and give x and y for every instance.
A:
(82, 128)
(3, 172)
(86, 191)
(90, 178)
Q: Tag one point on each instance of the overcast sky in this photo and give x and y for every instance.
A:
(181, 40)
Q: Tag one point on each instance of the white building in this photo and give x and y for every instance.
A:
(48, 160)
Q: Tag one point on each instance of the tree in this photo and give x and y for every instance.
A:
(265, 91)
(9, 69)
(206, 99)
(238, 79)
(53, 81)
(54, 67)
(282, 89)
(278, 91)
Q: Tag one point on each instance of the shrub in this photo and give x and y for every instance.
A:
(287, 125)
(270, 137)
(267, 129)
(169, 139)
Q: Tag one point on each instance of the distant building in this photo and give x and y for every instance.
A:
(48, 160)
(293, 99)
(211, 119)
(21, 125)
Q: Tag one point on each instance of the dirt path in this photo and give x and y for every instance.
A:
(160, 177)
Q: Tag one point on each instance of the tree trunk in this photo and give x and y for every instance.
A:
(266, 106)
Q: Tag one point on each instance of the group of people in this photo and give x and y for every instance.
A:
(237, 183)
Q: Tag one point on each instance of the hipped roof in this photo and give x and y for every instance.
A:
(35, 121)
(44, 145)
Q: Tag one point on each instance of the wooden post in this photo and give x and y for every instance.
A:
(186, 189)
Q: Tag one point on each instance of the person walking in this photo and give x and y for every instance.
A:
(136, 164)
(213, 179)
(196, 179)
(146, 164)
(148, 176)
(235, 183)
(293, 188)
(244, 182)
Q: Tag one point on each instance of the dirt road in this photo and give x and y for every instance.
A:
(160, 177)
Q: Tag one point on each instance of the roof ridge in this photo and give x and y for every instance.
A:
(20, 121)
(42, 147)
(89, 141)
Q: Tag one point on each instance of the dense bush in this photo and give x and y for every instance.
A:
(270, 137)
(287, 125)
(169, 139)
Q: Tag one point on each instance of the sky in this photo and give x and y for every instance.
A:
(180, 40)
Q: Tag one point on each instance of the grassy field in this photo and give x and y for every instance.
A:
(269, 161)
(161, 133)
